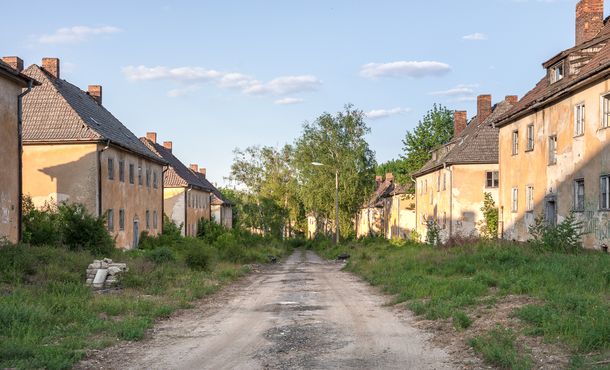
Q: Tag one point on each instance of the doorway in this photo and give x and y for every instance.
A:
(550, 211)
(136, 233)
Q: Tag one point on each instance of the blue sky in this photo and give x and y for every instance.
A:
(215, 75)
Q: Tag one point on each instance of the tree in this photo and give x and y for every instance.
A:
(338, 142)
(397, 167)
(489, 224)
(434, 129)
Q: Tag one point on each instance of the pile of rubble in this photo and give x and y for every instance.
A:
(104, 274)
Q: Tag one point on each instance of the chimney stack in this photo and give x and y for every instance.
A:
(512, 99)
(152, 136)
(483, 107)
(168, 145)
(51, 65)
(589, 19)
(389, 177)
(202, 171)
(95, 91)
(195, 167)
(15, 62)
(459, 122)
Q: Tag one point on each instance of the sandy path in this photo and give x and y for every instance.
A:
(303, 313)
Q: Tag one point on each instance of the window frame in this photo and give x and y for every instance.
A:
(552, 160)
(122, 219)
(578, 205)
(110, 220)
(110, 169)
(132, 170)
(147, 219)
(121, 171)
(579, 119)
(605, 110)
(495, 179)
(604, 204)
(155, 180)
(147, 177)
(155, 220)
(529, 198)
(531, 142)
(515, 142)
(514, 200)
(554, 77)
(140, 176)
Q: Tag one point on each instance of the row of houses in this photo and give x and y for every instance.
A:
(544, 155)
(60, 144)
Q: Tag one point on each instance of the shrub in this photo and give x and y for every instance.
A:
(489, 224)
(199, 258)
(432, 232)
(564, 237)
(161, 255)
(209, 230)
(81, 230)
(40, 226)
(170, 228)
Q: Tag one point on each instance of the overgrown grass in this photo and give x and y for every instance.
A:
(498, 348)
(49, 318)
(440, 283)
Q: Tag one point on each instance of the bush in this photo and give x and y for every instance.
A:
(40, 226)
(432, 232)
(564, 237)
(209, 230)
(161, 255)
(199, 258)
(489, 225)
(171, 229)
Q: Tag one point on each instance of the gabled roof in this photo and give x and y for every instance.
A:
(217, 198)
(476, 144)
(583, 64)
(57, 111)
(8, 72)
(177, 175)
(386, 189)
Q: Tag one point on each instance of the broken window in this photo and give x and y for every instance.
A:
(579, 120)
(147, 219)
(110, 217)
(529, 198)
(110, 169)
(604, 194)
(556, 72)
(552, 149)
(140, 178)
(122, 171)
(515, 142)
(579, 195)
(530, 137)
(515, 200)
(493, 179)
(122, 219)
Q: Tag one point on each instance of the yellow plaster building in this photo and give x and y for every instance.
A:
(75, 150)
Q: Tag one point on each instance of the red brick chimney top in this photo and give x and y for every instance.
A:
(51, 65)
(168, 145)
(589, 19)
(152, 136)
(483, 107)
(95, 91)
(459, 122)
(15, 62)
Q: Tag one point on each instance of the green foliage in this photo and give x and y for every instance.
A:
(209, 230)
(432, 232)
(40, 226)
(170, 229)
(564, 237)
(161, 255)
(397, 167)
(489, 225)
(498, 348)
(461, 320)
(199, 258)
(434, 129)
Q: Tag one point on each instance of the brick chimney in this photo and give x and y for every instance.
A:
(202, 171)
(483, 107)
(15, 62)
(152, 136)
(168, 145)
(95, 91)
(589, 19)
(389, 177)
(194, 167)
(51, 65)
(512, 99)
(459, 122)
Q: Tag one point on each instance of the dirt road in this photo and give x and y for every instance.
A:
(303, 313)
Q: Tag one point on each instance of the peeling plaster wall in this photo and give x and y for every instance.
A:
(9, 152)
(578, 157)
(198, 207)
(370, 221)
(227, 217)
(401, 216)
(433, 202)
(174, 205)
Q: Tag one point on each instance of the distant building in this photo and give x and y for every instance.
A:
(401, 219)
(186, 198)
(12, 81)
(555, 142)
(75, 150)
(450, 187)
(222, 208)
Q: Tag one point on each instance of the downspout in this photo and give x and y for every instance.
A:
(20, 159)
(99, 178)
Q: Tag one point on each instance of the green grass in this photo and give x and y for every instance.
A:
(49, 318)
(441, 283)
(498, 348)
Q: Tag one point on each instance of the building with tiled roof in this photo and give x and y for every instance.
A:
(12, 82)
(186, 198)
(554, 143)
(451, 186)
(75, 150)
(222, 208)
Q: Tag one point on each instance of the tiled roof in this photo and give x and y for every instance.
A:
(15, 75)
(385, 189)
(477, 143)
(583, 64)
(177, 175)
(57, 111)
(217, 198)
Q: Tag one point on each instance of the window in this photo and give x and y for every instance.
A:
(110, 169)
(140, 178)
(579, 120)
(155, 181)
(147, 219)
(579, 195)
(552, 149)
(493, 179)
(604, 192)
(131, 173)
(148, 177)
(444, 180)
(155, 224)
(121, 171)
(556, 72)
(122, 219)
(110, 220)
(606, 110)
(515, 142)
(515, 200)
(530, 137)
(529, 198)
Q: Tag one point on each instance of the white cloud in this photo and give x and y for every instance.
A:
(191, 77)
(75, 34)
(288, 101)
(404, 69)
(383, 113)
(459, 90)
(477, 36)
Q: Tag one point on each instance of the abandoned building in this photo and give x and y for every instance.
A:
(451, 186)
(186, 199)
(389, 212)
(554, 144)
(12, 81)
(222, 208)
(75, 150)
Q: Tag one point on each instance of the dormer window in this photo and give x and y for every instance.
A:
(556, 72)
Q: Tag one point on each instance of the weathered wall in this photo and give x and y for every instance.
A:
(175, 205)
(432, 202)
(227, 217)
(136, 199)
(401, 216)
(582, 157)
(57, 173)
(198, 207)
(370, 222)
(9, 152)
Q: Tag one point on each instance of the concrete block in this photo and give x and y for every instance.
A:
(100, 277)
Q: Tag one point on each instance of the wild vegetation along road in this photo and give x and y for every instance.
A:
(302, 313)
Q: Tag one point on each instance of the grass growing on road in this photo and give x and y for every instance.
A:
(49, 318)
(440, 283)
